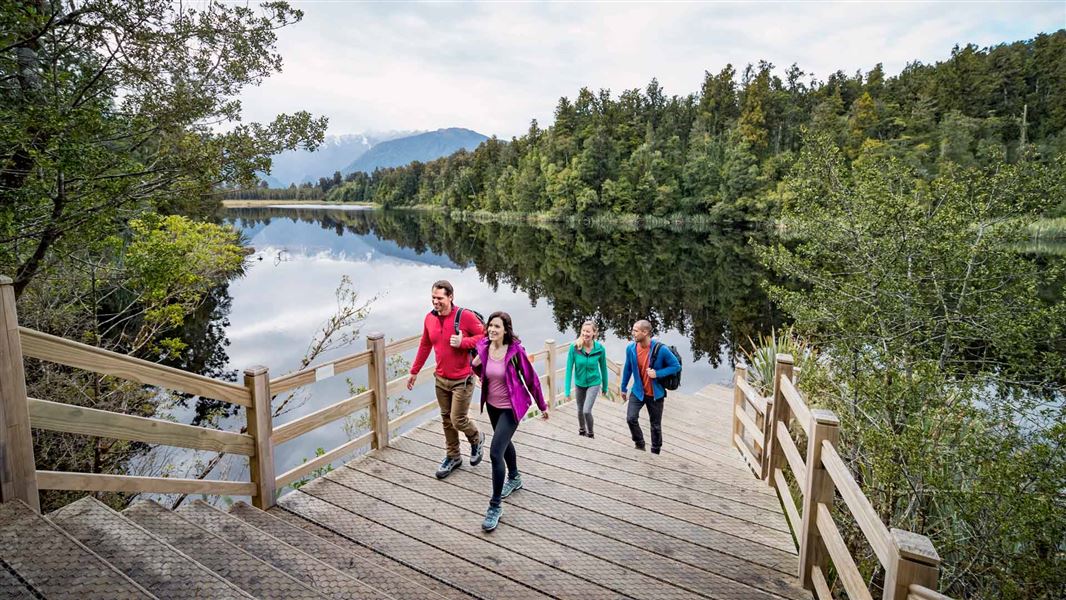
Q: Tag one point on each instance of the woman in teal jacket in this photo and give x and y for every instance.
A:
(586, 365)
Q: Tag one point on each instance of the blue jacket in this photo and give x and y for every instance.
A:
(665, 364)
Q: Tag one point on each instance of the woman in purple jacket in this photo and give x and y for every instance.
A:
(509, 385)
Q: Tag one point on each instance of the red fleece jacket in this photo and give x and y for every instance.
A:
(452, 363)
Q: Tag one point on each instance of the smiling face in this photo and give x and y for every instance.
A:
(442, 302)
(494, 330)
(588, 333)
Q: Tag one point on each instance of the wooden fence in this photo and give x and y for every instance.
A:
(19, 414)
(762, 435)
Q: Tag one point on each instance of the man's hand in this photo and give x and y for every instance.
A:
(651, 373)
(456, 339)
(411, 381)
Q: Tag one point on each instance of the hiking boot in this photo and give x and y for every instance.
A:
(654, 450)
(511, 485)
(448, 465)
(639, 446)
(477, 449)
(492, 518)
(582, 433)
(589, 435)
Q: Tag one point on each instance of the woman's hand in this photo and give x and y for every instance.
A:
(544, 414)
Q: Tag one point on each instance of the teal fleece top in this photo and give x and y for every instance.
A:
(588, 369)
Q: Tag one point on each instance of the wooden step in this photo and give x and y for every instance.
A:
(244, 570)
(52, 562)
(295, 562)
(13, 587)
(161, 568)
(394, 582)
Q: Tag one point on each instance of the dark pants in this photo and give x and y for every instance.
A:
(502, 451)
(655, 415)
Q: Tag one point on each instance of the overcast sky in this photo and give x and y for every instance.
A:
(492, 67)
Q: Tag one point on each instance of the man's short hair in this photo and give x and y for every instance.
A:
(445, 285)
(644, 325)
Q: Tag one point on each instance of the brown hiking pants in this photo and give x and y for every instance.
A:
(453, 396)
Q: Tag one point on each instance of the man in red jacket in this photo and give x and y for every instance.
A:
(455, 378)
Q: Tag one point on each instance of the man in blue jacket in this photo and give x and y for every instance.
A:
(646, 361)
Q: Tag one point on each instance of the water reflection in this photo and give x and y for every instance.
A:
(702, 290)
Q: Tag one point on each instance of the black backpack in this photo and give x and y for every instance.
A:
(669, 382)
(459, 316)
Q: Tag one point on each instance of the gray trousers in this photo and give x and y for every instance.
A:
(586, 397)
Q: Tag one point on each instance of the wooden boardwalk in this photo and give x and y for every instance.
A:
(596, 518)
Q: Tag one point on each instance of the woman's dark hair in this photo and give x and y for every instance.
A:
(508, 329)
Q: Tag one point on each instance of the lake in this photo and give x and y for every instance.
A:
(702, 291)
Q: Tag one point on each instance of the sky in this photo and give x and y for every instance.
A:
(494, 66)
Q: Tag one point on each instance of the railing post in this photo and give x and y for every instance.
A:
(549, 345)
(740, 374)
(18, 471)
(917, 562)
(764, 423)
(817, 489)
(781, 412)
(379, 409)
(261, 427)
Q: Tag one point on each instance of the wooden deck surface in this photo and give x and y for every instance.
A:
(596, 519)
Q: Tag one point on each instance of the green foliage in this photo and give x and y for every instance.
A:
(114, 108)
(725, 151)
(315, 474)
(944, 354)
(762, 352)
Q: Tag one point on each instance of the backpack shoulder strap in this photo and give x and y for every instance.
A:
(458, 319)
(654, 353)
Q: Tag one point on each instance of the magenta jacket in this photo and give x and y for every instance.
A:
(520, 400)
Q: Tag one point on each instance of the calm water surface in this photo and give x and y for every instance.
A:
(702, 290)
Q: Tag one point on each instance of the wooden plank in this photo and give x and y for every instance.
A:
(821, 586)
(96, 482)
(83, 356)
(614, 367)
(399, 385)
(322, 417)
(402, 345)
(754, 399)
(789, 504)
(320, 461)
(748, 455)
(859, 506)
(920, 592)
(847, 572)
(792, 454)
(753, 430)
(319, 372)
(534, 357)
(412, 415)
(17, 464)
(55, 416)
(795, 401)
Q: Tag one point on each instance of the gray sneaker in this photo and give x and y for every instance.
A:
(448, 465)
(511, 485)
(492, 518)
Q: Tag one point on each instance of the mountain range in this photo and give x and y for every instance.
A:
(365, 152)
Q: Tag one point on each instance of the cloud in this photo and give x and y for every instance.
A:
(492, 67)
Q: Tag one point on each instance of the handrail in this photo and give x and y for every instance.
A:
(909, 560)
(97, 482)
(69, 418)
(320, 461)
(322, 417)
(37, 344)
(318, 372)
(753, 397)
(402, 345)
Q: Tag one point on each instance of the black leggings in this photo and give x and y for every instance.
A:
(502, 451)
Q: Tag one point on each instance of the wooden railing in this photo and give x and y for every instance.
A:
(19, 414)
(910, 562)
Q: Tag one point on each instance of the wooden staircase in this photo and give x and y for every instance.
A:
(86, 551)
